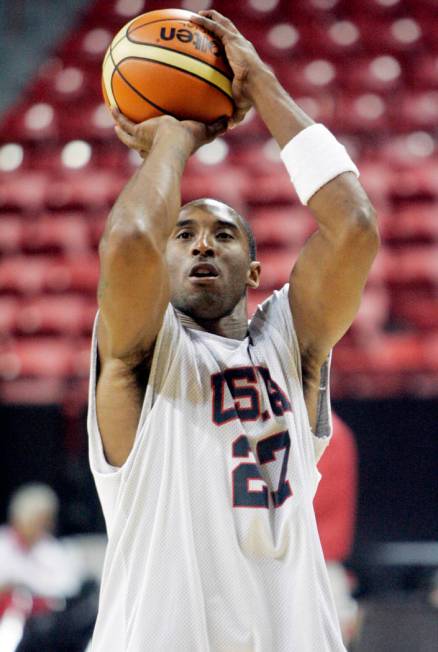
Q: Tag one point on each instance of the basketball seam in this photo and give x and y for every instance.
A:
(114, 45)
(143, 97)
(164, 47)
(178, 60)
(168, 65)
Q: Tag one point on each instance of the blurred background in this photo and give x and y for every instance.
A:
(367, 69)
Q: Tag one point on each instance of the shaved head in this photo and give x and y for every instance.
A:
(219, 207)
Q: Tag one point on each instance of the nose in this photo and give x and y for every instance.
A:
(202, 246)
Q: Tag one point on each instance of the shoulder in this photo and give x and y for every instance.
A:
(273, 319)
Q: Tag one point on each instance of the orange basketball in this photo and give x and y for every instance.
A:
(161, 63)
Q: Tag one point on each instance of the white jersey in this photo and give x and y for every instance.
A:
(212, 540)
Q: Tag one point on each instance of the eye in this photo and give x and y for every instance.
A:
(184, 235)
(224, 235)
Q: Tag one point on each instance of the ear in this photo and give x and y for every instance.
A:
(253, 275)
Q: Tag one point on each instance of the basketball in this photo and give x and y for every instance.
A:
(161, 63)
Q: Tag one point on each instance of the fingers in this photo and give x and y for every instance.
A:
(220, 125)
(124, 122)
(127, 139)
(211, 26)
(236, 118)
(212, 14)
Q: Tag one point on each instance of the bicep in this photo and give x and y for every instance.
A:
(133, 293)
(326, 284)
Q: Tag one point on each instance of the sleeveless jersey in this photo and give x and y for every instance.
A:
(212, 539)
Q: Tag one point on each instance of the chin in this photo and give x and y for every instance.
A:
(204, 306)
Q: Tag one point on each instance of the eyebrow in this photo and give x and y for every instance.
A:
(222, 223)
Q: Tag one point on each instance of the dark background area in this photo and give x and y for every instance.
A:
(396, 439)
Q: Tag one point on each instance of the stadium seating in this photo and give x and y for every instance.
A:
(369, 71)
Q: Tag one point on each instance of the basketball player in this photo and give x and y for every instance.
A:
(204, 429)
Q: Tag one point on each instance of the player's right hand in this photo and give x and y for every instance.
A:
(241, 54)
(142, 136)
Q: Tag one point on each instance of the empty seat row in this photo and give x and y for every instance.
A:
(31, 275)
(287, 36)
(44, 357)
(283, 226)
(46, 314)
(33, 190)
(61, 356)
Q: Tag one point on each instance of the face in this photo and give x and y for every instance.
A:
(36, 527)
(208, 261)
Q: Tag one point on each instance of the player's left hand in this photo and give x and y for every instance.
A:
(241, 55)
(141, 136)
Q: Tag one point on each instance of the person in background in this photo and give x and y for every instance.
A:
(38, 575)
(335, 510)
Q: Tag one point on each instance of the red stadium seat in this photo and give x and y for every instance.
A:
(69, 234)
(87, 45)
(276, 266)
(413, 223)
(11, 234)
(282, 227)
(22, 274)
(281, 40)
(377, 178)
(88, 188)
(422, 71)
(417, 110)
(23, 190)
(9, 307)
(93, 122)
(46, 357)
(430, 29)
(413, 151)
(334, 39)
(398, 35)
(417, 182)
(373, 314)
(64, 315)
(32, 121)
(387, 353)
(269, 182)
(378, 8)
(64, 85)
(38, 390)
(414, 265)
(363, 113)
(416, 312)
(319, 106)
(308, 76)
(374, 74)
(32, 274)
(80, 274)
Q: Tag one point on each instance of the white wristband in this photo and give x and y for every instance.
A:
(313, 158)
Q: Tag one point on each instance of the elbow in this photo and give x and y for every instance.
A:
(364, 230)
(126, 238)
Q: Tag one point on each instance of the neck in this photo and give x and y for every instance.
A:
(234, 326)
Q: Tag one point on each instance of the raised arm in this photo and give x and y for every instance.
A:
(134, 289)
(328, 278)
(134, 286)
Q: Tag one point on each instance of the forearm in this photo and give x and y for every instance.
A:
(282, 116)
(150, 202)
(340, 201)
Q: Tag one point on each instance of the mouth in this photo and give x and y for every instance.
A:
(203, 272)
